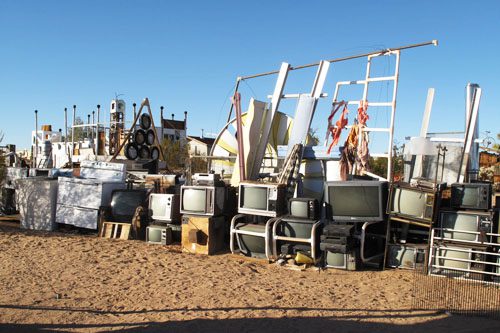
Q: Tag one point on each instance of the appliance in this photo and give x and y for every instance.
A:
(203, 235)
(291, 231)
(206, 179)
(410, 256)
(79, 199)
(348, 261)
(164, 207)
(357, 200)
(477, 223)
(250, 245)
(307, 208)
(203, 200)
(471, 196)
(454, 261)
(262, 199)
(36, 199)
(413, 203)
(156, 234)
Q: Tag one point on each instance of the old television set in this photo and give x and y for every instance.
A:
(156, 234)
(250, 245)
(124, 203)
(203, 200)
(357, 200)
(348, 261)
(262, 199)
(306, 208)
(406, 256)
(412, 202)
(466, 226)
(459, 262)
(164, 207)
(471, 196)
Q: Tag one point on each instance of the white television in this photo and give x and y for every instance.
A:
(203, 200)
(164, 207)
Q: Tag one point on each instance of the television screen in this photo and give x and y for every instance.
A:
(473, 196)
(194, 200)
(459, 221)
(158, 205)
(336, 259)
(299, 208)
(125, 202)
(452, 259)
(410, 202)
(353, 201)
(254, 197)
(469, 196)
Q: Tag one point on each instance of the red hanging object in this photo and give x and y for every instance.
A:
(362, 114)
(339, 125)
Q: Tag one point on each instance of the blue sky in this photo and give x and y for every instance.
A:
(186, 56)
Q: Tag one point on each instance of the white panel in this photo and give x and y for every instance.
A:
(36, 201)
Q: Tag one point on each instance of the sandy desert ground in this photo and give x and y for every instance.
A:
(80, 283)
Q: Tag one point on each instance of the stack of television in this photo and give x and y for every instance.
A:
(412, 211)
(258, 202)
(209, 198)
(350, 205)
(466, 242)
(164, 225)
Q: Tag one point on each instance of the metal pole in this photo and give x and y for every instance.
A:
(432, 42)
(73, 134)
(66, 130)
(161, 123)
(235, 91)
(135, 113)
(97, 131)
(88, 127)
(36, 139)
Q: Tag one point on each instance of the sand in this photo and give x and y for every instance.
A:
(81, 283)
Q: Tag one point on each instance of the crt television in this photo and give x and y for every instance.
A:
(125, 202)
(203, 200)
(406, 256)
(357, 200)
(262, 199)
(307, 208)
(413, 203)
(471, 196)
(164, 207)
(476, 223)
(156, 234)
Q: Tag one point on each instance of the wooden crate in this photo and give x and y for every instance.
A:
(115, 230)
(203, 235)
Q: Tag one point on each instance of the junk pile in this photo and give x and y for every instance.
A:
(272, 194)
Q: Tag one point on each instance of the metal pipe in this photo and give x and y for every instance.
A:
(66, 130)
(97, 131)
(239, 131)
(135, 112)
(235, 91)
(34, 164)
(73, 135)
(432, 42)
(161, 123)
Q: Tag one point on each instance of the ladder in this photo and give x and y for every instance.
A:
(364, 98)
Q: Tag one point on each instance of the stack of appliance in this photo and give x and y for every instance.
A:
(465, 242)
(79, 198)
(204, 206)
(165, 219)
(412, 213)
(142, 144)
(259, 206)
(354, 233)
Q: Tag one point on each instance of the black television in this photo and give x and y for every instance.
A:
(471, 196)
(125, 202)
(357, 200)
(307, 208)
